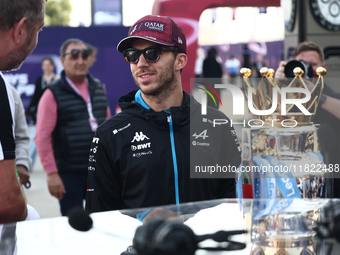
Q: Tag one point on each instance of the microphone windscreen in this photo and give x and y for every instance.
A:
(79, 219)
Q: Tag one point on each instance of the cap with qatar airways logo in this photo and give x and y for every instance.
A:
(155, 28)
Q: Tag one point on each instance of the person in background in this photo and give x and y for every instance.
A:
(69, 112)
(305, 187)
(48, 68)
(212, 69)
(22, 141)
(199, 62)
(20, 23)
(93, 51)
(328, 111)
(233, 66)
(257, 65)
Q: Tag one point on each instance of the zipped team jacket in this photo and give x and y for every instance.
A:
(142, 158)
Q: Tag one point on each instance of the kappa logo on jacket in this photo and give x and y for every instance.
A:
(139, 137)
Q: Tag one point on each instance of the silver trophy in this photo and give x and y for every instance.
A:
(282, 168)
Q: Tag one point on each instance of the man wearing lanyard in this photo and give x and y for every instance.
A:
(69, 112)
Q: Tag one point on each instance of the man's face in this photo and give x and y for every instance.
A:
(153, 78)
(76, 68)
(312, 58)
(17, 56)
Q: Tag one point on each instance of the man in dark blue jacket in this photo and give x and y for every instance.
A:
(159, 150)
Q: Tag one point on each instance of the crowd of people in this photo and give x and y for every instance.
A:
(312, 186)
(140, 157)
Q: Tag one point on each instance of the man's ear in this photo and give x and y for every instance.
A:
(62, 59)
(20, 31)
(181, 61)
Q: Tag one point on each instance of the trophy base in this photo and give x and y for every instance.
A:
(298, 246)
(288, 232)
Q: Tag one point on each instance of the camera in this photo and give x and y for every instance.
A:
(290, 66)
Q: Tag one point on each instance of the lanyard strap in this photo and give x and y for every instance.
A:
(88, 104)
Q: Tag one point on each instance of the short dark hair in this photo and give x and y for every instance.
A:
(12, 11)
(176, 52)
(212, 52)
(307, 46)
(67, 43)
(49, 59)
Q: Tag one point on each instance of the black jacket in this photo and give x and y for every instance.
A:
(211, 68)
(141, 158)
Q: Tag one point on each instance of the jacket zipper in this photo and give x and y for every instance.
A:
(173, 150)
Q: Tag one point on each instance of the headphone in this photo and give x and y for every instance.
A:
(162, 237)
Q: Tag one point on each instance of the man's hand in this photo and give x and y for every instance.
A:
(160, 212)
(279, 73)
(55, 185)
(23, 174)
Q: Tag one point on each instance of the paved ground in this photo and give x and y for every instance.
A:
(38, 195)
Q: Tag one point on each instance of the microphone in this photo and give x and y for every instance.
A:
(80, 220)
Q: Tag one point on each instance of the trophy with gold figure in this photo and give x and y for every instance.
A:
(282, 167)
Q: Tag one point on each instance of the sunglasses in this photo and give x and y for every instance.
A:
(75, 53)
(151, 54)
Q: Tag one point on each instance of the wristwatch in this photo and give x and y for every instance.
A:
(322, 99)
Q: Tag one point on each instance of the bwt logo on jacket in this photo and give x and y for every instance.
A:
(140, 146)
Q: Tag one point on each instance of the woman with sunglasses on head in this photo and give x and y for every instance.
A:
(69, 112)
(48, 68)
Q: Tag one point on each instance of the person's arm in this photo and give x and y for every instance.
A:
(33, 106)
(12, 202)
(279, 73)
(331, 105)
(22, 140)
(104, 188)
(108, 112)
(46, 122)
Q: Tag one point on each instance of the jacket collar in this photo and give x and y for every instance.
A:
(66, 86)
(133, 104)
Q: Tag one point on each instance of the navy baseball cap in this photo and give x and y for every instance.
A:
(154, 28)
